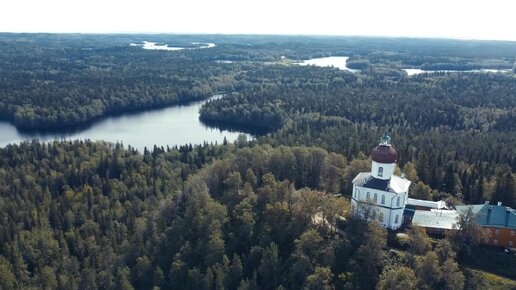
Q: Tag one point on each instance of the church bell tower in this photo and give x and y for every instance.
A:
(380, 195)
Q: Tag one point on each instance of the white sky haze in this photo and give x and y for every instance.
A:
(493, 19)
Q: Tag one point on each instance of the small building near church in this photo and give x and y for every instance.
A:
(497, 221)
(420, 204)
(435, 221)
(422, 207)
(379, 194)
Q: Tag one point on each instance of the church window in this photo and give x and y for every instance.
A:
(374, 214)
(383, 199)
(375, 197)
(398, 201)
(396, 218)
(380, 171)
(368, 195)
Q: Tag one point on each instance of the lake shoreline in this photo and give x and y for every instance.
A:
(176, 123)
(339, 62)
(88, 123)
(419, 71)
(235, 127)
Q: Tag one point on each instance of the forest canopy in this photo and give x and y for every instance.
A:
(110, 218)
(62, 80)
(269, 213)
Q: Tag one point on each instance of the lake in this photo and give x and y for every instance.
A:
(339, 62)
(175, 125)
(416, 71)
(154, 46)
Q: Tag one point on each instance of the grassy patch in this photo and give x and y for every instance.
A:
(476, 279)
(493, 260)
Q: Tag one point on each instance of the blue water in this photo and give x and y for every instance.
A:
(175, 125)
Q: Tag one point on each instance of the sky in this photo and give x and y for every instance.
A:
(473, 19)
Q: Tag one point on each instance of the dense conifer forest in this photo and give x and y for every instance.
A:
(92, 215)
(269, 213)
(448, 128)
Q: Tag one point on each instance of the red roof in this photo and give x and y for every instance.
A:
(384, 154)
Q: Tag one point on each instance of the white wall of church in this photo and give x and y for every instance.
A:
(388, 213)
(387, 170)
(390, 199)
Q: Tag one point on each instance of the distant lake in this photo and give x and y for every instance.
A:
(416, 71)
(339, 62)
(176, 125)
(154, 46)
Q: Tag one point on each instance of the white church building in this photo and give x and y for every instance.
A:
(380, 195)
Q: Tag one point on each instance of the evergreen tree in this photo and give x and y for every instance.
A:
(397, 278)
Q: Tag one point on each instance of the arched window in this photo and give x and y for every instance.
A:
(383, 199)
(396, 219)
(374, 214)
(398, 201)
(375, 197)
(368, 196)
(380, 171)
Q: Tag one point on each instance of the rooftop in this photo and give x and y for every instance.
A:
(492, 215)
(427, 203)
(435, 218)
(384, 153)
(395, 184)
(375, 183)
(496, 216)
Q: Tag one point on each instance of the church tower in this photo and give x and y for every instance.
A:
(384, 159)
(380, 195)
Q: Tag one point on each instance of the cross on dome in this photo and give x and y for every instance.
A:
(385, 140)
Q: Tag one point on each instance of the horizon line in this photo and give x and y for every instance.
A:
(259, 34)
